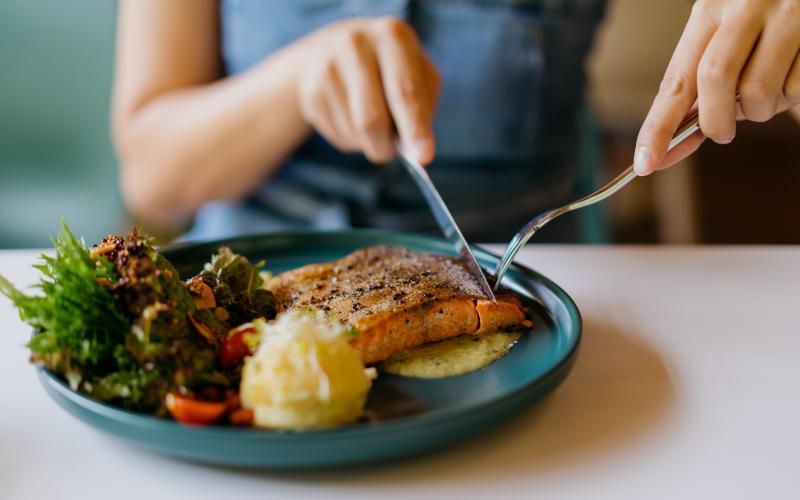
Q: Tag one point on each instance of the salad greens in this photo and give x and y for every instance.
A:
(119, 324)
(238, 286)
(77, 319)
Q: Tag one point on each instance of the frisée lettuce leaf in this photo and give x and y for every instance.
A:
(76, 320)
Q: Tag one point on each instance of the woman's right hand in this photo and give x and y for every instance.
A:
(367, 82)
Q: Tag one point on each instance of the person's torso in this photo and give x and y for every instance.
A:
(506, 123)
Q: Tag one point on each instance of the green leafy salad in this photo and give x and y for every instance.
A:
(118, 323)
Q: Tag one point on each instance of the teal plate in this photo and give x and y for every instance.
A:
(408, 416)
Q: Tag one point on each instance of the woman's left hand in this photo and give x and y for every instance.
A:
(749, 46)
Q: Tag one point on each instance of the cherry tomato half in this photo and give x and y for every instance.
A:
(233, 348)
(188, 410)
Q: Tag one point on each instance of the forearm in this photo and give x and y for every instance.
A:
(210, 142)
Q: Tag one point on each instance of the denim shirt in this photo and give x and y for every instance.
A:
(506, 125)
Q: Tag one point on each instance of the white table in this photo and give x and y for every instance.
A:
(687, 386)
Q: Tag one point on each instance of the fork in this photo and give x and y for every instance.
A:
(687, 128)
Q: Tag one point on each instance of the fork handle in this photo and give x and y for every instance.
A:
(686, 129)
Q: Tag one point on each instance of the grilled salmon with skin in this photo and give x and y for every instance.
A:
(397, 298)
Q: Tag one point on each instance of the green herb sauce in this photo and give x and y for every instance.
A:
(451, 357)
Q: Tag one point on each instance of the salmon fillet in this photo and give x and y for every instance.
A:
(397, 298)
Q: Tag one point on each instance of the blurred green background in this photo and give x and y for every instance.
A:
(56, 158)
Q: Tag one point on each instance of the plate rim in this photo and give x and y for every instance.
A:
(150, 422)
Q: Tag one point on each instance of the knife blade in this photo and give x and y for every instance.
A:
(445, 219)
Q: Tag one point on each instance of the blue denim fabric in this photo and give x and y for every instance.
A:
(506, 127)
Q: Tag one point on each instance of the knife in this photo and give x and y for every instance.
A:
(445, 219)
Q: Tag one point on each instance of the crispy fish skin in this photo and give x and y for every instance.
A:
(396, 298)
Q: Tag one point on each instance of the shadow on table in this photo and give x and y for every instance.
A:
(617, 394)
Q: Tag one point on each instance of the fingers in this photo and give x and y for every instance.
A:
(718, 76)
(433, 80)
(372, 125)
(404, 83)
(682, 150)
(370, 78)
(339, 109)
(322, 101)
(685, 148)
(326, 128)
(746, 46)
(763, 81)
(791, 87)
(676, 93)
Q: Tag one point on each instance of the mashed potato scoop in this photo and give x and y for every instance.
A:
(305, 374)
